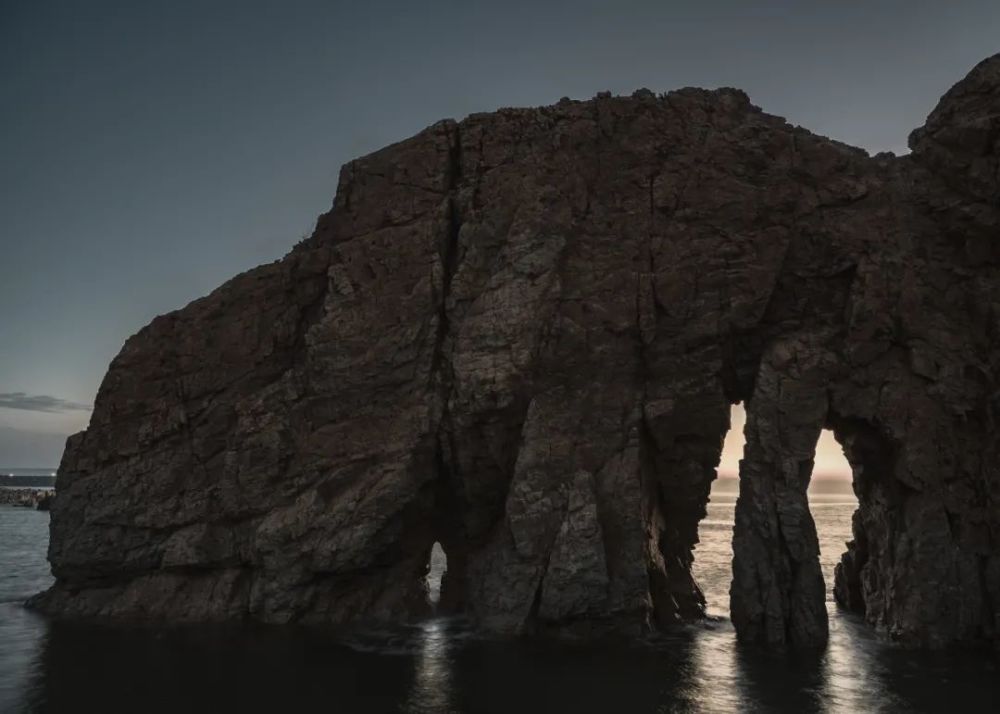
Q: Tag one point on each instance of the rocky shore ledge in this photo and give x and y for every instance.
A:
(39, 498)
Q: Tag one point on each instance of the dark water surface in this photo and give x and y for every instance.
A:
(440, 667)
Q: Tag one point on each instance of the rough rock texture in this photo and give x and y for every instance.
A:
(521, 334)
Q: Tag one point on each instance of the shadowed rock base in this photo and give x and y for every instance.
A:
(520, 335)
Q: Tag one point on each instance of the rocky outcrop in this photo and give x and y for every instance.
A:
(38, 498)
(520, 336)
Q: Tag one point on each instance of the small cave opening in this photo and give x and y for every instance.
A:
(832, 503)
(437, 567)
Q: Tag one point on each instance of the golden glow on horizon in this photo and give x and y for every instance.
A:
(829, 461)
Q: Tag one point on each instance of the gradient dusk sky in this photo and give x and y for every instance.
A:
(152, 149)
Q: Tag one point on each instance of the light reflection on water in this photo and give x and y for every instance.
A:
(716, 669)
(431, 690)
(440, 666)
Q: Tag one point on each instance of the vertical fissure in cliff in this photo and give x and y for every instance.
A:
(448, 255)
(442, 375)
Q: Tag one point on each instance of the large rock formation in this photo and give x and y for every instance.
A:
(520, 335)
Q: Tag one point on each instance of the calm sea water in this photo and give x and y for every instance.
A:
(440, 667)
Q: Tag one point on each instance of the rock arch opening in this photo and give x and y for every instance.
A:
(713, 555)
(833, 505)
(879, 496)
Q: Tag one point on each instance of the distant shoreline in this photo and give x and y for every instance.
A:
(36, 480)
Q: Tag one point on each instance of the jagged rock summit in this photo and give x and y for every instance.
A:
(520, 335)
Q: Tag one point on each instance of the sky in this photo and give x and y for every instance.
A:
(151, 150)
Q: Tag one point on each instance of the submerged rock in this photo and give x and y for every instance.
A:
(520, 336)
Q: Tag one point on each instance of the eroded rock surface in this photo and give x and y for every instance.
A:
(520, 335)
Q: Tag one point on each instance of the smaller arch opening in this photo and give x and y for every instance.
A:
(437, 567)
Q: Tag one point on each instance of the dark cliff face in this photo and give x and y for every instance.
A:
(521, 334)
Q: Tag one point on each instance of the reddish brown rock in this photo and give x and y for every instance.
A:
(520, 335)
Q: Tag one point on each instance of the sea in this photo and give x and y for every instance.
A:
(440, 665)
(27, 478)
